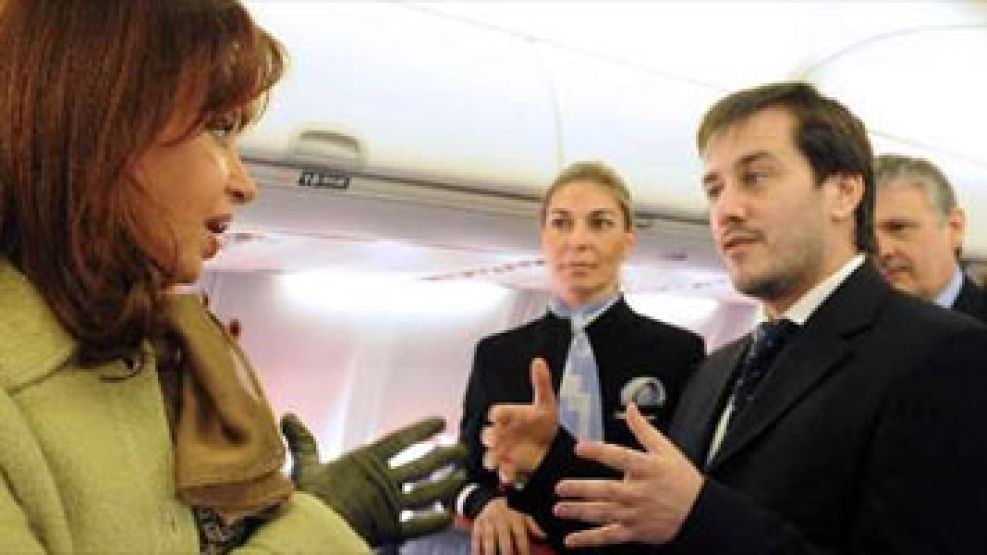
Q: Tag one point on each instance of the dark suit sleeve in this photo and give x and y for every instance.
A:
(924, 485)
(483, 482)
(538, 496)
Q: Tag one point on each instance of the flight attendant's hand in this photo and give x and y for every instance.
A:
(500, 530)
(649, 505)
(519, 435)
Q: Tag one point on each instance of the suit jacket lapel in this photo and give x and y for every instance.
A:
(553, 336)
(606, 333)
(799, 367)
(815, 351)
(700, 409)
(969, 300)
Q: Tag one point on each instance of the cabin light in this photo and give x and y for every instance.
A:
(389, 294)
(676, 309)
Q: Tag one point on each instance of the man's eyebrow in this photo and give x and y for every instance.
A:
(898, 220)
(754, 157)
(745, 160)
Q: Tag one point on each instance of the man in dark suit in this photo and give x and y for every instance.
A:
(920, 230)
(586, 233)
(862, 429)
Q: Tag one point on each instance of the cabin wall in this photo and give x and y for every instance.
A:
(355, 357)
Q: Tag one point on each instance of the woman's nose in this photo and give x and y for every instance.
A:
(241, 185)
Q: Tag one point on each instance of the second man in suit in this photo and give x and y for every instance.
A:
(601, 353)
(920, 231)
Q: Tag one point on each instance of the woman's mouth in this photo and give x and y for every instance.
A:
(218, 225)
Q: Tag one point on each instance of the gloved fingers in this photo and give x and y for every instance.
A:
(397, 441)
(427, 523)
(301, 443)
(429, 463)
(430, 492)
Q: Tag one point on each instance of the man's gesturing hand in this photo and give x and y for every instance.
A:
(649, 505)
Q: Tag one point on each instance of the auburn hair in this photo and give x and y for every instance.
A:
(89, 87)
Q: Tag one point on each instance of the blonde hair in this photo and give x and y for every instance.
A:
(598, 173)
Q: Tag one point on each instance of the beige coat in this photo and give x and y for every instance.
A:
(86, 463)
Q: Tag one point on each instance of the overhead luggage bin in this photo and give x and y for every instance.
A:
(381, 89)
(393, 124)
(398, 124)
(642, 122)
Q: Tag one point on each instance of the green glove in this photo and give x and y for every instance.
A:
(366, 491)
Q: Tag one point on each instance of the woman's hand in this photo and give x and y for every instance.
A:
(500, 530)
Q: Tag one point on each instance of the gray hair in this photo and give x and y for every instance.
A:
(919, 173)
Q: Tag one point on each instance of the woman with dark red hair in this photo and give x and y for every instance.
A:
(130, 421)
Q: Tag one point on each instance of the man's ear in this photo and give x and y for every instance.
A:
(848, 193)
(630, 237)
(956, 227)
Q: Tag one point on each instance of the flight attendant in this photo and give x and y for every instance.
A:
(601, 355)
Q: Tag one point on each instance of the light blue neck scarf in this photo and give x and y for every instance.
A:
(580, 400)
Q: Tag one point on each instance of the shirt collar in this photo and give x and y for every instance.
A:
(948, 295)
(583, 315)
(810, 301)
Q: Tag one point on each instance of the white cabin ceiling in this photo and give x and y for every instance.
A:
(507, 92)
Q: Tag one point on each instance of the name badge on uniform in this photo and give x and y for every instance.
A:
(647, 392)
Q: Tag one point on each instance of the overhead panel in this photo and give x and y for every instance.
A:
(334, 204)
(640, 122)
(384, 88)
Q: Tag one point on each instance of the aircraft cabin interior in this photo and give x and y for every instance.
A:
(401, 161)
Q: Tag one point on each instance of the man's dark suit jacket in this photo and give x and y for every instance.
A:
(972, 300)
(626, 345)
(868, 435)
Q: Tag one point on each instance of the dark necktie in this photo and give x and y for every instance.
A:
(767, 340)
